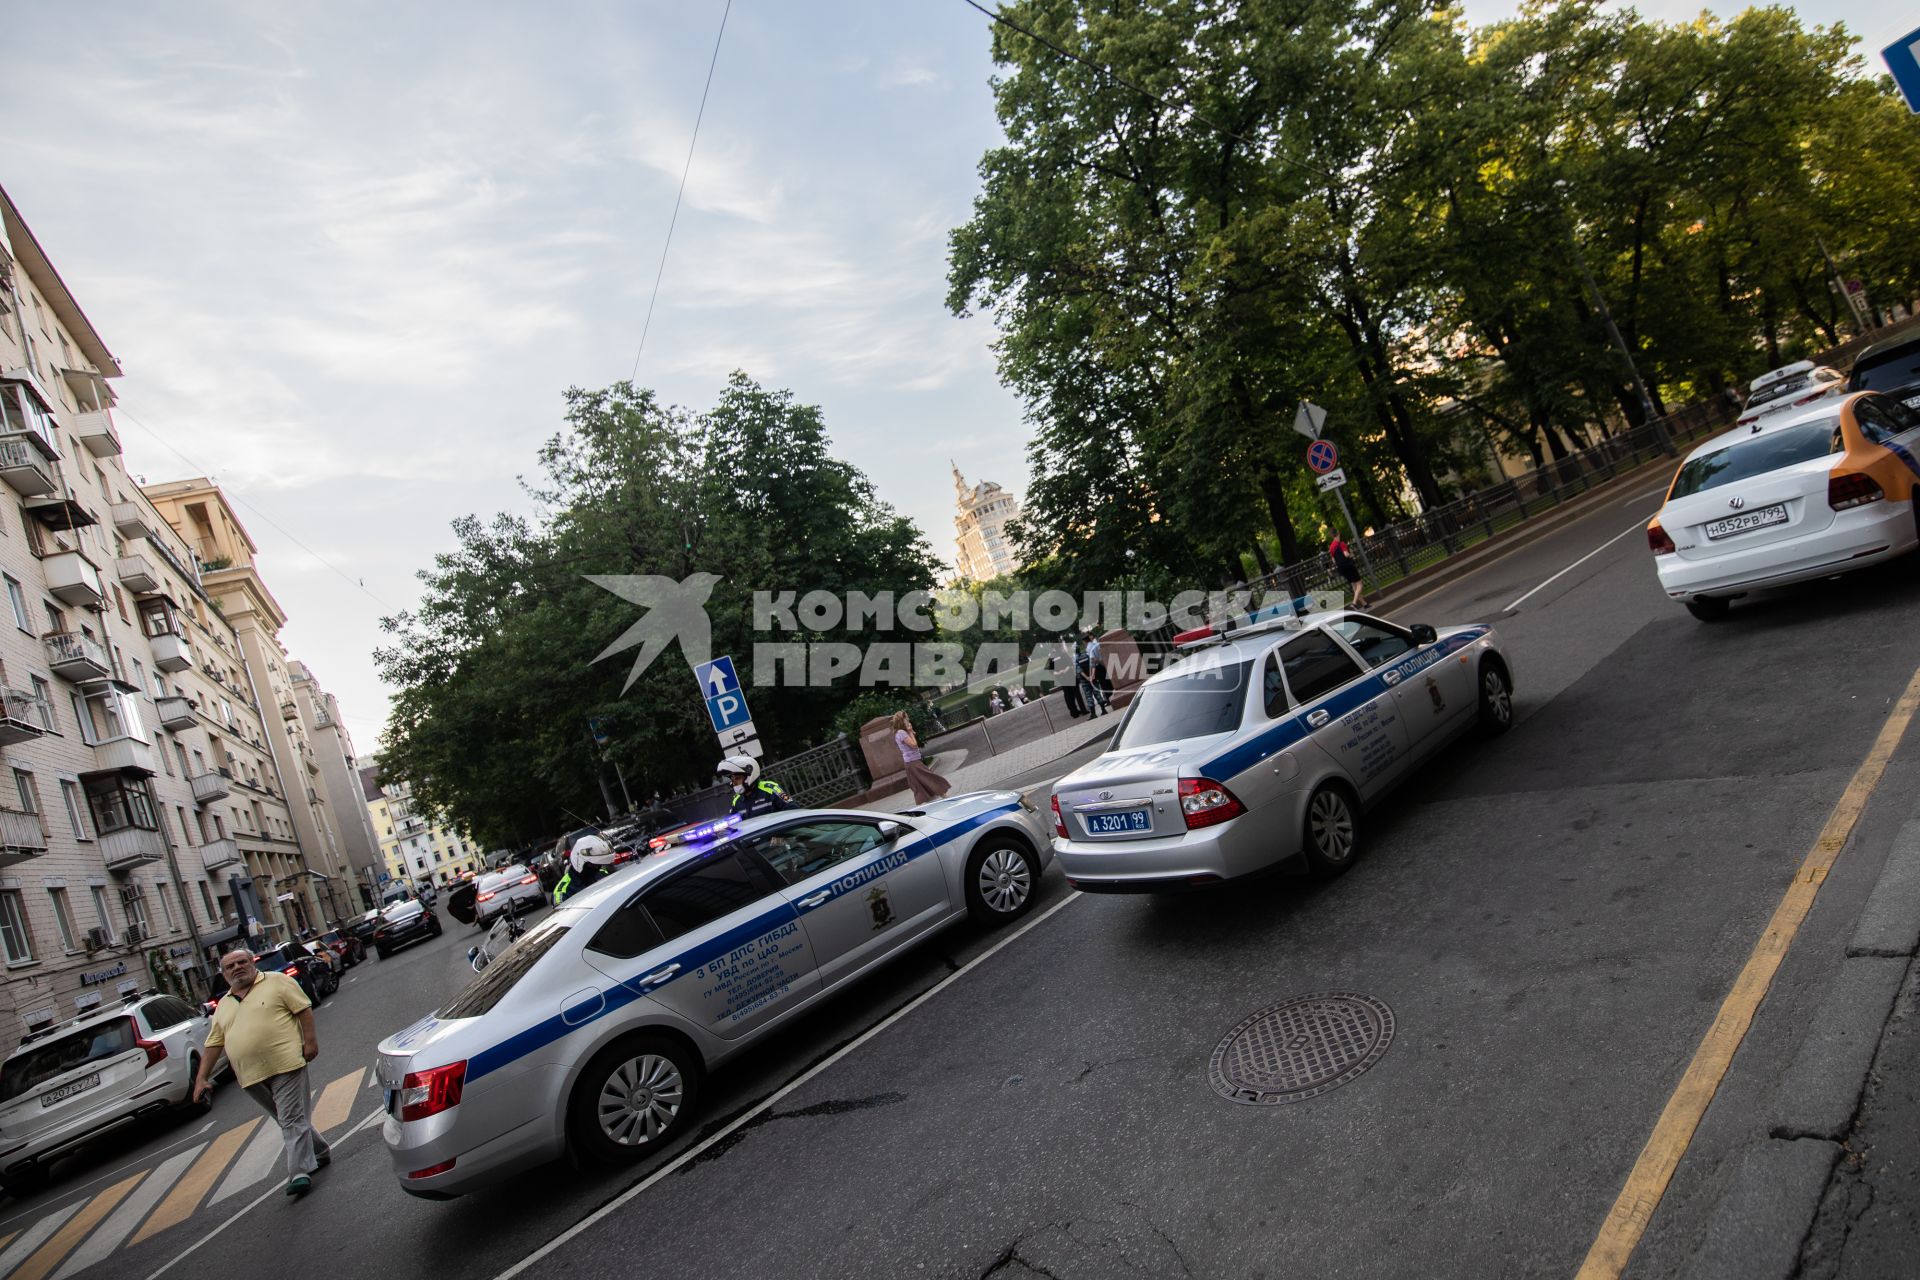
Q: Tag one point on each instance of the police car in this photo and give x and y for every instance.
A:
(1267, 743)
(591, 1032)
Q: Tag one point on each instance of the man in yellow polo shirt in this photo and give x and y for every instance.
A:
(264, 1025)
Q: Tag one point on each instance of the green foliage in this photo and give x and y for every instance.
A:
(497, 671)
(870, 703)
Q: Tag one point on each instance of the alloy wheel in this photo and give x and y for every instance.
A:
(1331, 821)
(640, 1099)
(1499, 699)
(1005, 880)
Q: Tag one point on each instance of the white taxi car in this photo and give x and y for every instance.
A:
(1267, 743)
(592, 1031)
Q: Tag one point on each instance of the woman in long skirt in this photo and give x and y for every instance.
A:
(927, 785)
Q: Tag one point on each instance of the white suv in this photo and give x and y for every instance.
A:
(75, 1081)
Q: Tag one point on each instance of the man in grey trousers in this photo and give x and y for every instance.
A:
(264, 1025)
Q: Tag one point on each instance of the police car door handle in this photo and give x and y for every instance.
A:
(660, 975)
(1318, 718)
(816, 899)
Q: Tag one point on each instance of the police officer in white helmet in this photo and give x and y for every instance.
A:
(753, 795)
(591, 859)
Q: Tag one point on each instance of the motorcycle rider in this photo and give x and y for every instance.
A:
(752, 794)
(591, 859)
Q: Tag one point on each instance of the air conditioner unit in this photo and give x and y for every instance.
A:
(136, 932)
(98, 938)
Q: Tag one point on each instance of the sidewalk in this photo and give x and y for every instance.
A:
(988, 772)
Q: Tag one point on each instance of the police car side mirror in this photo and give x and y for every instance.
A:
(475, 959)
(892, 830)
(1422, 633)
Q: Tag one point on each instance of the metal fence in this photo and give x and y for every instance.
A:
(817, 776)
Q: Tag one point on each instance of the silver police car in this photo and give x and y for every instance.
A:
(591, 1032)
(1266, 744)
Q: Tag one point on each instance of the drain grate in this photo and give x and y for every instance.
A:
(1300, 1048)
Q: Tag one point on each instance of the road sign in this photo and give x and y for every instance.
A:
(1322, 456)
(1903, 59)
(728, 710)
(598, 730)
(716, 677)
(1308, 420)
(1331, 480)
(738, 734)
(751, 747)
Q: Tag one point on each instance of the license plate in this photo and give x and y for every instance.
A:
(1111, 824)
(1912, 402)
(67, 1090)
(1727, 526)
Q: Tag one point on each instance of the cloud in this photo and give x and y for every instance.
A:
(910, 75)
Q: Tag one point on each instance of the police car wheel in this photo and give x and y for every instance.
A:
(635, 1096)
(1332, 835)
(1001, 878)
(1708, 608)
(1496, 700)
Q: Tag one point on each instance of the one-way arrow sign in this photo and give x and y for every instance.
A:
(717, 677)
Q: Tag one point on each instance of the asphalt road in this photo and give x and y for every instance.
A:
(1553, 917)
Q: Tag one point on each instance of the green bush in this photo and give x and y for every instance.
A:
(884, 702)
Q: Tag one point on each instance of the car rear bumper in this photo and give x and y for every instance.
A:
(1857, 538)
(1242, 846)
(482, 1145)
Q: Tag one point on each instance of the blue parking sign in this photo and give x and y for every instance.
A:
(727, 710)
(1903, 60)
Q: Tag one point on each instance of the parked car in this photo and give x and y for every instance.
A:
(508, 889)
(592, 1031)
(1891, 367)
(314, 974)
(347, 944)
(404, 923)
(325, 954)
(1793, 386)
(73, 1082)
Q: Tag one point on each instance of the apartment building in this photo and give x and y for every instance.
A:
(143, 820)
(326, 730)
(416, 846)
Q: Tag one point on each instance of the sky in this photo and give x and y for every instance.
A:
(351, 255)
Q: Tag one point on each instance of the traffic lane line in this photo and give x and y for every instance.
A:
(124, 1219)
(767, 1103)
(255, 1163)
(49, 1255)
(186, 1196)
(1633, 528)
(336, 1101)
(30, 1239)
(1646, 1185)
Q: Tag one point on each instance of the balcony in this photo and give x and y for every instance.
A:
(322, 718)
(131, 847)
(208, 787)
(123, 755)
(22, 717)
(218, 854)
(59, 511)
(289, 710)
(20, 837)
(95, 430)
(170, 652)
(130, 520)
(72, 577)
(136, 575)
(175, 713)
(24, 466)
(76, 657)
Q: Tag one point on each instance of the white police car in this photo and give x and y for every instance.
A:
(1267, 743)
(591, 1032)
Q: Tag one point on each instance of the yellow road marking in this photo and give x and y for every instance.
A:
(185, 1198)
(7, 1239)
(337, 1102)
(1647, 1184)
(48, 1255)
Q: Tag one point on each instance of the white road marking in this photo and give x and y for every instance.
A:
(255, 1163)
(1637, 527)
(120, 1223)
(36, 1235)
(693, 1152)
(106, 1177)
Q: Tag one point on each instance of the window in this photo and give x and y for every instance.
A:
(803, 851)
(715, 888)
(1375, 642)
(70, 794)
(206, 900)
(1203, 700)
(63, 918)
(17, 598)
(134, 900)
(186, 828)
(506, 969)
(139, 674)
(29, 793)
(1876, 423)
(15, 937)
(1757, 455)
(629, 932)
(1273, 690)
(122, 803)
(166, 908)
(1315, 665)
(51, 1059)
(81, 718)
(43, 702)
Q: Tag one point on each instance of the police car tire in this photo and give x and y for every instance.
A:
(1333, 802)
(587, 1142)
(1709, 608)
(1495, 685)
(1023, 888)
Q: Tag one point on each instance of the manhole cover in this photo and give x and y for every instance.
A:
(1300, 1048)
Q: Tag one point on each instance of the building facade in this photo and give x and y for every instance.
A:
(980, 522)
(416, 846)
(144, 818)
(326, 731)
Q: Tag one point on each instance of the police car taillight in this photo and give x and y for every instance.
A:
(428, 1093)
(1658, 540)
(1059, 824)
(1852, 490)
(1204, 802)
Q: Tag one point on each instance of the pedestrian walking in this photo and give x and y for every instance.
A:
(1344, 565)
(1101, 680)
(1089, 691)
(264, 1026)
(926, 784)
(1060, 664)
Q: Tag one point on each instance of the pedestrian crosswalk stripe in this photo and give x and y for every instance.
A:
(107, 1237)
(185, 1198)
(255, 1163)
(7, 1239)
(30, 1239)
(49, 1254)
(337, 1102)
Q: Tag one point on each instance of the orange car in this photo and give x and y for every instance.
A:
(1791, 498)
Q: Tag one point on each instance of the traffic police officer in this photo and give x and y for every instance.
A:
(752, 794)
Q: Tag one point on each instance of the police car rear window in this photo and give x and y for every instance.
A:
(1192, 704)
(1757, 455)
(493, 982)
